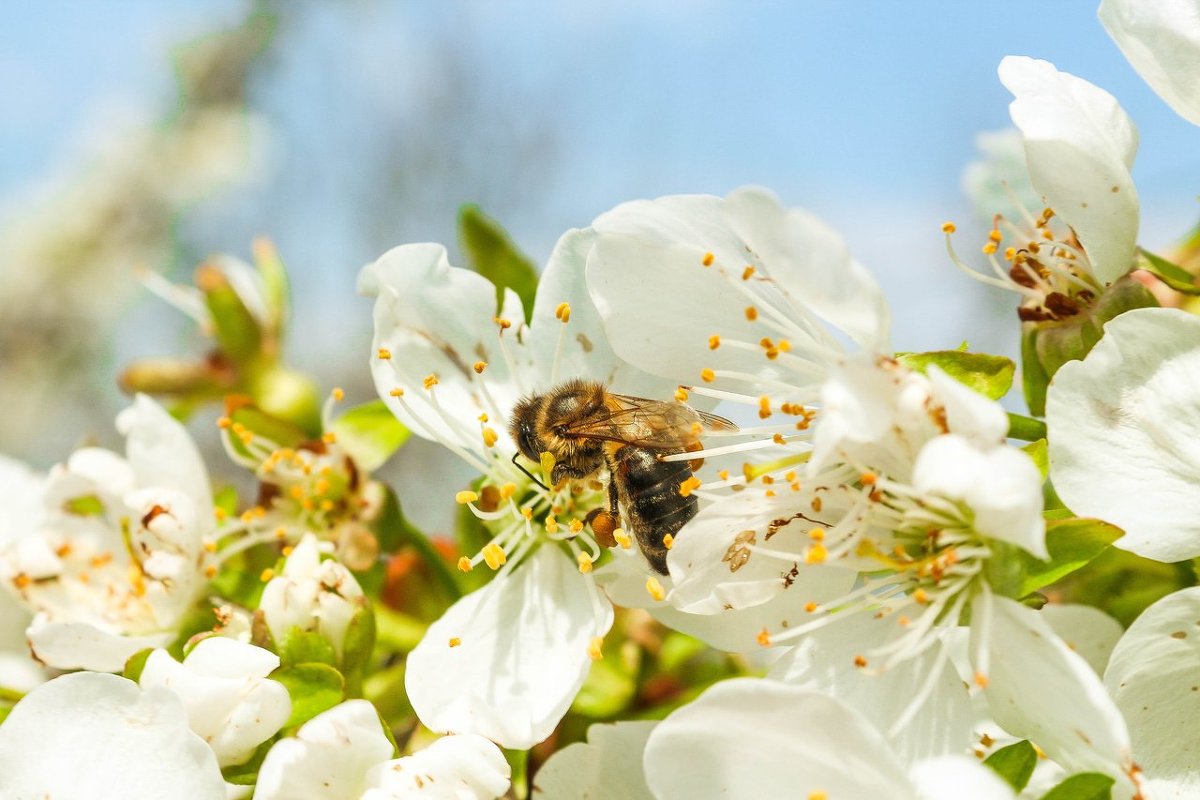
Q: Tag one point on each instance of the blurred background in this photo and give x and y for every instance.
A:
(150, 134)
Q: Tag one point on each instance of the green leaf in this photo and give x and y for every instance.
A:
(300, 646)
(1084, 786)
(1172, 275)
(236, 330)
(275, 284)
(370, 433)
(492, 254)
(1014, 763)
(136, 663)
(4, 712)
(313, 688)
(263, 424)
(991, 376)
(247, 774)
(360, 637)
(1072, 544)
(1038, 452)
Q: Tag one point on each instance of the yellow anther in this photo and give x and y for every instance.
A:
(210, 571)
(327, 505)
(281, 533)
(384, 354)
(921, 596)
(751, 313)
(490, 437)
(789, 476)
(989, 248)
(266, 575)
(502, 322)
(817, 794)
(464, 564)
(585, 562)
(508, 490)
(810, 607)
(551, 524)
(708, 259)
(868, 478)
(747, 272)
(784, 346)
(465, 496)
(329, 437)
(455, 641)
(681, 395)
(622, 538)
(981, 680)
(714, 341)
(219, 513)
(575, 525)
(764, 407)
(479, 367)
(595, 648)
(723, 474)
(493, 555)
(483, 417)
(707, 375)
(688, 486)
(1010, 253)
(287, 551)
(816, 554)
(655, 588)
(563, 312)
(860, 661)
(949, 227)
(668, 541)
(210, 546)
(764, 637)
(527, 512)
(995, 235)
(338, 394)
(397, 392)
(778, 439)
(817, 534)
(431, 380)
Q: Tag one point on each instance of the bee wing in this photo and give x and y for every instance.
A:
(649, 423)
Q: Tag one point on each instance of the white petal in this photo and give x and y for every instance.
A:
(968, 413)
(466, 767)
(606, 767)
(1123, 427)
(823, 661)
(1154, 677)
(1000, 485)
(956, 777)
(79, 645)
(1038, 689)
(522, 653)
(328, 759)
(1080, 145)
(101, 737)
(1086, 630)
(21, 496)
(438, 319)
(1162, 41)
(161, 452)
(749, 737)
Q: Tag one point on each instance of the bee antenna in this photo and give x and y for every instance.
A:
(527, 472)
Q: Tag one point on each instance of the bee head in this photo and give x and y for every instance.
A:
(522, 427)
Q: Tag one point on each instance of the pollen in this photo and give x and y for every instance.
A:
(989, 248)
(764, 637)
(431, 380)
(751, 313)
(688, 486)
(860, 661)
(397, 392)
(503, 323)
(464, 564)
(479, 367)
(22, 581)
(575, 525)
(490, 437)
(655, 589)
(210, 571)
(595, 648)
(816, 554)
(527, 512)
(266, 575)
(622, 539)
(508, 490)
(384, 354)
(949, 227)
(810, 607)
(995, 235)
(338, 394)
(551, 525)
(455, 641)
(329, 437)
(563, 312)
(483, 417)
(708, 259)
(869, 478)
(764, 407)
(747, 272)
(681, 394)
(921, 596)
(784, 346)
(465, 496)
(585, 562)
(778, 439)
(981, 680)
(668, 541)
(493, 555)
(714, 341)
(817, 534)
(817, 794)
(707, 375)
(723, 474)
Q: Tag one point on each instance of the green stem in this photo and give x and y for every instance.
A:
(1027, 429)
(10, 695)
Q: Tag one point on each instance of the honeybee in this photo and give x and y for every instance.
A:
(587, 429)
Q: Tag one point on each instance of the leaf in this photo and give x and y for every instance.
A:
(360, 637)
(1084, 786)
(991, 376)
(246, 774)
(300, 647)
(1014, 763)
(1171, 274)
(237, 331)
(1072, 544)
(370, 433)
(1037, 451)
(313, 688)
(135, 664)
(492, 253)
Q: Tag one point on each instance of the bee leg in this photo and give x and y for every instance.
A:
(563, 470)
(612, 501)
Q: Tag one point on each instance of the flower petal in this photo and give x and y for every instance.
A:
(1162, 42)
(750, 737)
(21, 495)
(606, 767)
(954, 777)
(1088, 631)
(162, 453)
(101, 737)
(329, 758)
(1038, 689)
(1080, 145)
(80, 645)
(1153, 677)
(823, 661)
(1123, 427)
(466, 767)
(506, 661)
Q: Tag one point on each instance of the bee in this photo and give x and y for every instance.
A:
(589, 429)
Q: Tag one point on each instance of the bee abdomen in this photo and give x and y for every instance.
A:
(653, 503)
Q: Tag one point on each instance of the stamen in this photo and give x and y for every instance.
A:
(655, 589)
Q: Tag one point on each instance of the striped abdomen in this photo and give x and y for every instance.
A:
(649, 490)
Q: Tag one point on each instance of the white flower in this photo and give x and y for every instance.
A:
(343, 754)
(998, 182)
(120, 553)
(760, 738)
(1162, 42)
(452, 369)
(1124, 425)
(21, 495)
(313, 595)
(103, 738)
(608, 766)
(230, 702)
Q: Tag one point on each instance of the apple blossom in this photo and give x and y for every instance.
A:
(1162, 42)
